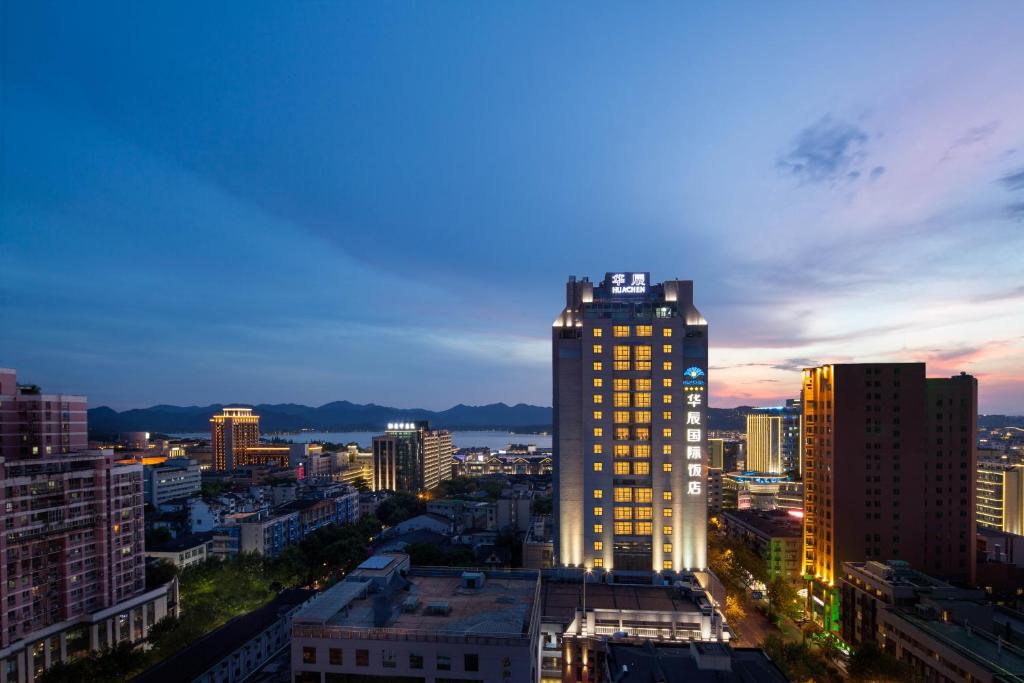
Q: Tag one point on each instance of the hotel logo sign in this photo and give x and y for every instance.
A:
(628, 284)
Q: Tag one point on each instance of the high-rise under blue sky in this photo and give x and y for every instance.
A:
(381, 202)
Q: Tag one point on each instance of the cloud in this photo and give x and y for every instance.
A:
(1014, 180)
(972, 137)
(1015, 293)
(1015, 211)
(827, 152)
(877, 172)
(795, 364)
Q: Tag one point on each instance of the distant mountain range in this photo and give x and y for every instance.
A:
(343, 416)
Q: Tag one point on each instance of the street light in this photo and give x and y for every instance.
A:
(585, 600)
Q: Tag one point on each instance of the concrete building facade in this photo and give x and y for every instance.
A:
(888, 462)
(410, 456)
(630, 426)
(233, 430)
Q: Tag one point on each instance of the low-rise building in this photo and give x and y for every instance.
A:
(685, 663)
(174, 478)
(775, 535)
(538, 544)
(235, 650)
(183, 551)
(391, 622)
(943, 632)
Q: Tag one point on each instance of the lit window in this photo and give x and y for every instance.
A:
(598, 331)
(641, 468)
(644, 512)
(666, 432)
(644, 528)
(598, 562)
(621, 352)
(598, 466)
(621, 450)
(666, 415)
(598, 431)
(642, 399)
(598, 511)
(643, 416)
(621, 384)
(597, 398)
(644, 495)
(666, 398)
(642, 434)
(644, 330)
(666, 449)
(624, 528)
(642, 384)
(666, 495)
(598, 545)
(598, 365)
(666, 547)
(621, 365)
(666, 348)
(666, 332)
(621, 416)
(623, 513)
(665, 382)
(599, 528)
(622, 433)
(620, 330)
(621, 399)
(642, 450)
(598, 382)
(666, 467)
(598, 493)
(666, 512)
(666, 530)
(621, 467)
(598, 449)
(666, 564)
(598, 415)
(643, 352)
(623, 494)
(666, 365)
(598, 348)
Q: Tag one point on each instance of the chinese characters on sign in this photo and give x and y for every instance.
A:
(628, 283)
(694, 431)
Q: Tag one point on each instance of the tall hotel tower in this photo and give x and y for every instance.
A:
(630, 426)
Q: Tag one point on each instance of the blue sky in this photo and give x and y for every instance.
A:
(302, 202)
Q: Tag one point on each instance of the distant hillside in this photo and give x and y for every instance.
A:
(343, 416)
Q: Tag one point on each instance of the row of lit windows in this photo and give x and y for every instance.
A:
(625, 351)
(640, 512)
(641, 415)
(640, 450)
(599, 563)
(624, 386)
(640, 331)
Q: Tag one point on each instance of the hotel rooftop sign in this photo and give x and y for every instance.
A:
(627, 284)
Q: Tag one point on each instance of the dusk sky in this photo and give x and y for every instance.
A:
(381, 202)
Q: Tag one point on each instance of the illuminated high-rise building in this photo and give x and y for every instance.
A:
(764, 442)
(410, 456)
(630, 426)
(1000, 495)
(231, 432)
(888, 467)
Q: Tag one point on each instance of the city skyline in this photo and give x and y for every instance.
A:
(361, 196)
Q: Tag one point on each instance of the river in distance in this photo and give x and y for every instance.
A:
(496, 441)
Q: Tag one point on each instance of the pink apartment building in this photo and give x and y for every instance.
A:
(72, 574)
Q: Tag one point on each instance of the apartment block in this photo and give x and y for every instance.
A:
(172, 479)
(999, 487)
(888, 464)
(34, 424)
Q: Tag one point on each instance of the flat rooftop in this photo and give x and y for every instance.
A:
(774, 523)
(693, 663)
(430, 601)
(974, 644)
(560, 600)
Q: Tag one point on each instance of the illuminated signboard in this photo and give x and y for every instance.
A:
(401, 426)
(694, 381)
(628, 284)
